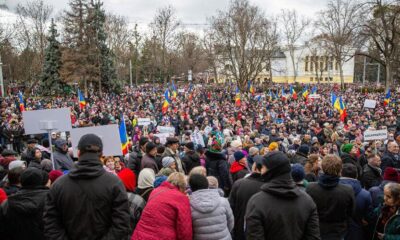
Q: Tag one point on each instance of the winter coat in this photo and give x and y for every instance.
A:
(212, 217)
(136, 206)
(191, 160)
(336, 204)
(21, 216)
(281, 211)
(62, 161)
(299, 158)
(87, 203)
(390, 160)
(149, 162)
(35, 164)
(217, 166)
(167, 215)
(179, 165)
(371, 177)
(392, 226)
(347, 158)
(242, 191)
(363, 208)
(377, 194)
(134, 160)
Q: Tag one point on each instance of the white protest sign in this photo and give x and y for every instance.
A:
(314, 96)
(109, 135)
(144, 121)
(369, 103)
(162, 137)
(162, 129)
(375, 135)
(197, 138)
(181, 90)
(207, 130)
(40, 121)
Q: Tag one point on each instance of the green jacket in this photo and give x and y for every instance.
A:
(392, 227)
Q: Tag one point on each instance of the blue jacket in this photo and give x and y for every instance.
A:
(363, 208)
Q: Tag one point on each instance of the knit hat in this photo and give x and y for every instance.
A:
(167, 161)
(253, 151)
(90, 143)
(150, 146)
(215, 146)
(239, 155)
(198, 182)
(128, 179)
(390, 174)
(273, 146)
(31, 178)
(277, 164)
(236, 144)
(7, 152)
(304, 149)
(297, 172)
(159, 180)
(347, 148)
(54, 175)
(15, 164)
(190, 145)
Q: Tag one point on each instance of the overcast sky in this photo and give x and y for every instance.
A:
(188, 11)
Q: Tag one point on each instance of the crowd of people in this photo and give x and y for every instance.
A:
(275, 166)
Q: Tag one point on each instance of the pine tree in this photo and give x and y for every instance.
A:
(107, 73)
(51, 81)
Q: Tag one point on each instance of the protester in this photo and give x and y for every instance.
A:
(136, 202)
(6, 157)
(390, 175)
(301, 155)
(145, 183)
(238, 169)
(335, 216)
(298, 176)
(54, 175)
(349, 155)
(190, 159)
(391, 157)
(73, 210)
(242, 191)
(171, 150)
(149, 159)
(372, 173)
(169, 166)
(135, 157)
(167, 214)
(280, 210)
(388, 223)
(312, 168)
(26, 154)
(217, 166)
(21, 214)
(212, 216)
(34, 158)
(363, 203)
(13, 184)
(62, 160)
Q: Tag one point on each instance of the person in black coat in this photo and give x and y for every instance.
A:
(391, 157)
(242, 191)
(88, 202)
(35, 157)
(135, 157)
(238, 168)
(335, 202)
(191, 159)
(372, 173)
(217, 166)
(280, 210)
(348, 155)
(21, 215)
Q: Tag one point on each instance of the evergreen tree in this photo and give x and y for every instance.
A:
(107, 73)
(51, 81)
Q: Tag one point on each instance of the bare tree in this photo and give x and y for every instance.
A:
(294, 28)
(247, 38)
(164, 28)
(383, 30)
(340, 25)
(209, 46)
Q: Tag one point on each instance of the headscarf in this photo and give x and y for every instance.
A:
(146, 178)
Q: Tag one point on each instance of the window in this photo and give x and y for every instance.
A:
(331, 79)
(306, 64)
(311, 79)
(316, 63)
(326, 79)
(326, 63)
(312, 64)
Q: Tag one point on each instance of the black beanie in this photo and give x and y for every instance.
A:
(277, 164)
(143, 141)
(198, 182)
(190, 146)
(32, 178)
(90, 143)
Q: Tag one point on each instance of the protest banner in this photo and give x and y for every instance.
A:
(144, 121)
(372, 135)
(163, 129)
(369, 103)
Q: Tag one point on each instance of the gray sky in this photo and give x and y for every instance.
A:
(188, 11)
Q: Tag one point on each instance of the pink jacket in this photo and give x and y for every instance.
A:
(167, 216)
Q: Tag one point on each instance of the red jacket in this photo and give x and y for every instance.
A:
(167, 216)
